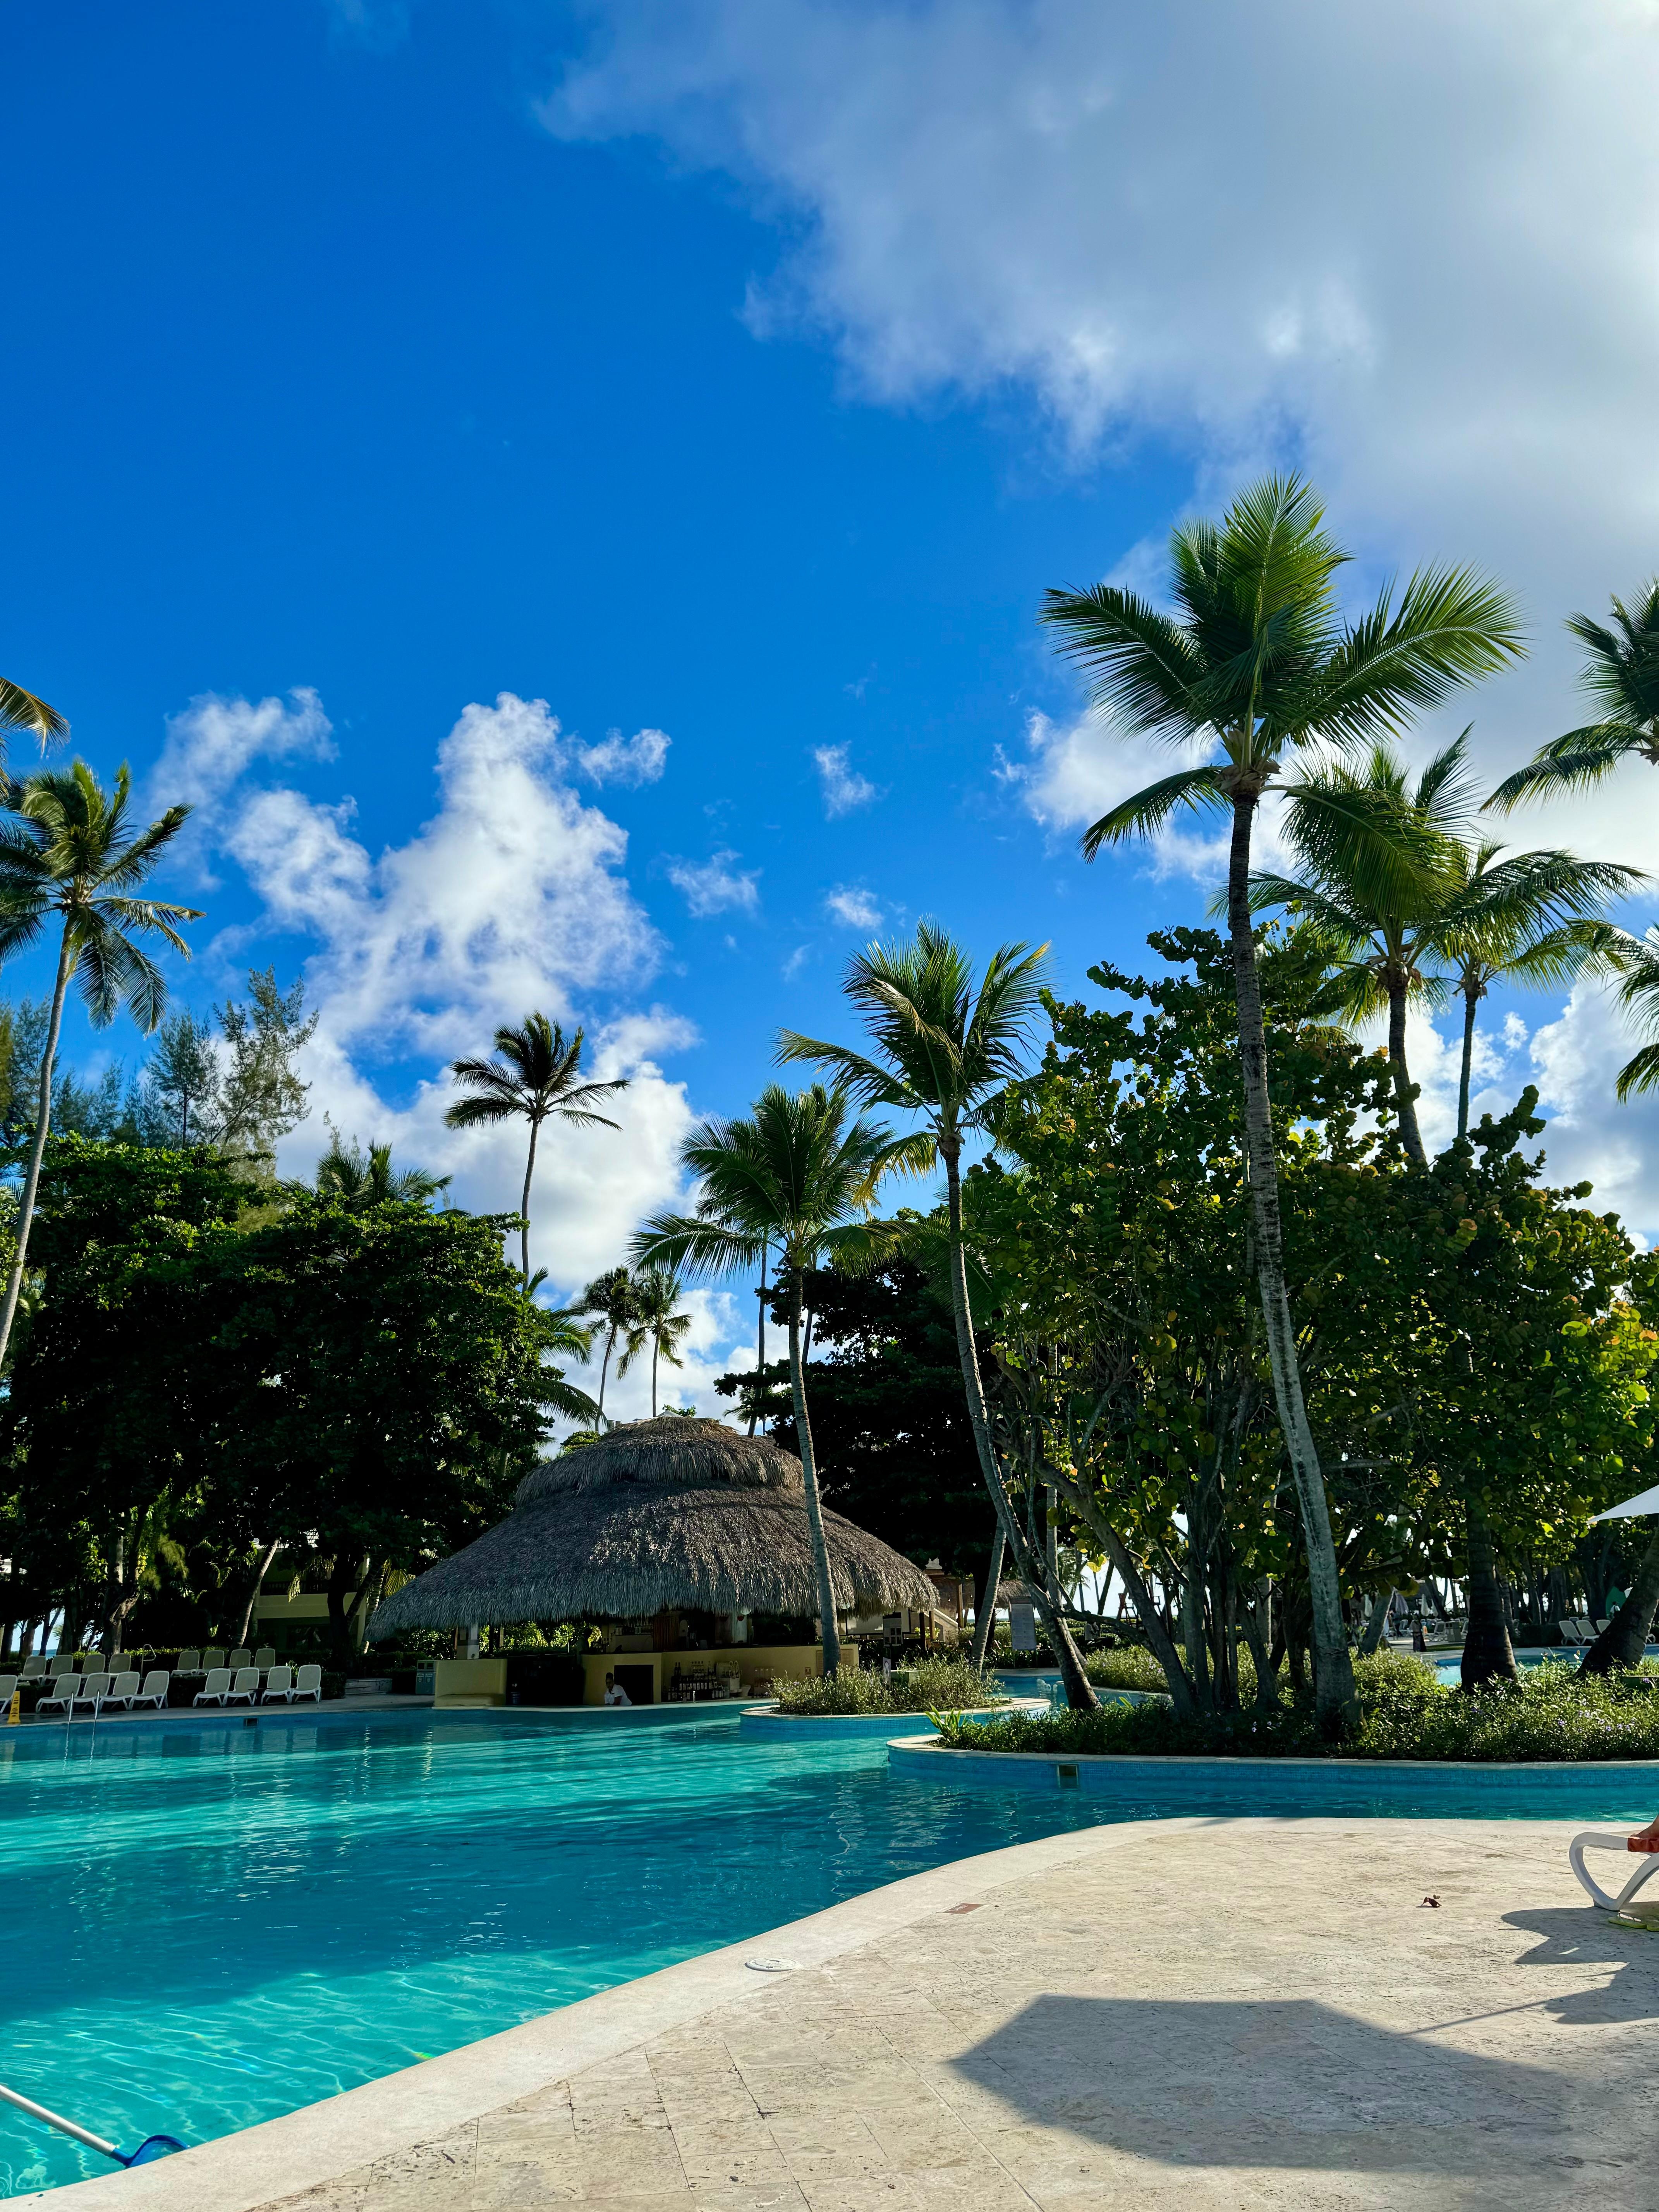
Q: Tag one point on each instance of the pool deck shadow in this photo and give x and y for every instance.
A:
(1239, 2013)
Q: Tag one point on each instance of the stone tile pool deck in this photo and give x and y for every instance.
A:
(1229, 2013)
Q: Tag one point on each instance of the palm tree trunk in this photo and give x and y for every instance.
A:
(1405, 1105)
(265, 1559)
(1488, 1654)
(1471, 999)
(1377, 1626)
(523, 1203)
(760, 1346)
(604, 1369)
(1333, 1692)
(656, 1347)
(1160, 1642)
(828, 1623)
(1078, 1691)
(1624, 1639)
(43, 1116)
(985, 1619)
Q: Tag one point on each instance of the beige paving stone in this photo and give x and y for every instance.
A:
(1259, 2016)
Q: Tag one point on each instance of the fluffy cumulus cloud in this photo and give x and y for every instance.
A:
(853, 906)
(213, 743)
(844, 789)
(715, 885)
(512, 895)
(1413, 250)
(627, 760)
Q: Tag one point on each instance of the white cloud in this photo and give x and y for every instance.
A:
(639, 759)
(854, 907)
(211, 745)
(844, 789)
(1424, 269)
(714, 886)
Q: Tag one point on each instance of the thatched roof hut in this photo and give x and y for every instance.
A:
(655, 1513)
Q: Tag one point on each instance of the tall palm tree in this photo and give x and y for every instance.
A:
(1621, 675)
(1634, 961)
(359, 1180)
(1524, 918)
(535, 1080)
(1377, 922)
(945, 1047)
(69, 851)
(1257, 664)
(656, 1325)
(798, 1173)
(612, 1296)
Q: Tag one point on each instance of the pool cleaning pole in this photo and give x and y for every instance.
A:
(151, 2148)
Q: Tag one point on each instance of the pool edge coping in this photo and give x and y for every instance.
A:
(277, 2159)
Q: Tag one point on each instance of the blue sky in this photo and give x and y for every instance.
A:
(743, 374)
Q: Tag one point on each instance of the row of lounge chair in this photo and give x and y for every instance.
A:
(125, 1692)
(1581, 1630)
(190, 1663)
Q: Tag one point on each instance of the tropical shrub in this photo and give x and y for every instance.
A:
(940, 1686)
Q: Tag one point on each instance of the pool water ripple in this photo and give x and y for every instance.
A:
(207, 1927)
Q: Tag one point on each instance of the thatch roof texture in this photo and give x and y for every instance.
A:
(655, 1513)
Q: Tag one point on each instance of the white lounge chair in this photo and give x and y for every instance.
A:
(308, 1683)
(212, 1657)
(190, 1663)
(33, 1667)
(8, 1684)
(264, 1658)
(279, 1686)
(245, 1690)
(242, 1657)
(62, 1689)
(94, 1689)
(1601, 1626)
(1570, 1634)
(122, 1689)
(157, 1683)
(217, 1689)
(1612, 1839)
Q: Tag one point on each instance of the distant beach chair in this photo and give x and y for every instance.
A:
(1601, 1626)
(8, 1685)
(34, 1667)
(190, 1663)
(94, 1689)
(279, 1686)
(243, 1657)
(122, 1689)
(1612, 1839)
(62, 1689)
(1570, 1634)
(308, 1683)
(264, 1658)
(217, 1688)
(157, 1683)
(245, 1689)
(211, 1658)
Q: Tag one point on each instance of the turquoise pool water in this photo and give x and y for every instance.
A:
(209, 1927)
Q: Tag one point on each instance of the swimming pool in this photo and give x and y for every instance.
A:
(209, 1925)
(206, 1927)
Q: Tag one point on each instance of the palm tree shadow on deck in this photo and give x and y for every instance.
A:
(1298, 2083)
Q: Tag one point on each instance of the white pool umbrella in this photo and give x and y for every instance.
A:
(1645, 1501)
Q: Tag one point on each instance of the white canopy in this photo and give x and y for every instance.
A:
(1645, 1501)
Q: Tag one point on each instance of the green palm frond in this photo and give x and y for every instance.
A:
(27, 710)
(1150, 809)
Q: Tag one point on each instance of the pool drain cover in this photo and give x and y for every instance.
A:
(771, 1966)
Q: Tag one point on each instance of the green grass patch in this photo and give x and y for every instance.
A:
(1553, 1713)
(932, 1686)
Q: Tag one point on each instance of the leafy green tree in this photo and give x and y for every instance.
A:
(261, 1098)
(612, 1297)
(799, 1173)
(361, 1180)
(944, 1049)
(536, 1079)
(69, 852)
(895, 1448)
(1258, 665)
(1621, 678)
(183, 1078)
